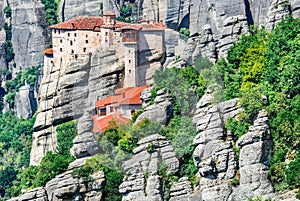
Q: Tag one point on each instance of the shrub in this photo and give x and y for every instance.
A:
(235, 181)
(7, 12)
(184, 33)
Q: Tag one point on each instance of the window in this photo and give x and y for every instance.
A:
(60, 40)
(68, 34)
(129, 51)
(75, 34)
(54, 30)
(58, 31)
(129, 71)
(71, 42)
(76, 56)
(86, 41)
(72, 51)
(86, 36)
(60, 49)
(102, 112)
(105, 40)
(84, 49)
(106, 33)
(129, 61)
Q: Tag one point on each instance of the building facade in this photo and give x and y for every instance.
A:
(81, 36)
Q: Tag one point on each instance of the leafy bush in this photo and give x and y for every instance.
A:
(51, 8)
(51, 165)
(7, 12)
(113, 175)
(185, 85)
(66, 132)
(184, 33)
(15, 145)
(125, 13)
(263, 71)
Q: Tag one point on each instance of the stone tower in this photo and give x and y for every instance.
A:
(130, 42)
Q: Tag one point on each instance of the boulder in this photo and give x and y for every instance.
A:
(160, 111)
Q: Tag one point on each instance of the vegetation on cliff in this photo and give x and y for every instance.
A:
(263, 70)
(51, 165)
(51, 8)
(15, 145)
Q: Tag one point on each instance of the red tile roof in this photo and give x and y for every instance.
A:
(100, 125)
(80, 23)
(48, 51)
(123, 96)
(146, 27)
(109, 13)
(91, 23)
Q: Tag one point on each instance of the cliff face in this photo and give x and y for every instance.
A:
(65, 94)
(30, 33)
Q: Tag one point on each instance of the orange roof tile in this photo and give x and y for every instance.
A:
(80, 23)
(48, 51)
(100, 125)
(146, 27)
(124, 96)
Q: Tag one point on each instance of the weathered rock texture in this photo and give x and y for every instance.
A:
(142, 180)
(25, 101)
(254, 161)
(66, 187)
(69, 9)
(215, 158)
(85, 143)
(66, 93)
(30, 33)
(160, 110)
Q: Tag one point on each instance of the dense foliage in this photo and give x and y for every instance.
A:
(51, 8)
(51, 165)
(125, 13)
(9, 52)
(29, 75)
(113, 175)
(263, 69)
(186, 86)
(15, 145)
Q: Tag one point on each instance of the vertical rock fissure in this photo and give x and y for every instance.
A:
(248, 11)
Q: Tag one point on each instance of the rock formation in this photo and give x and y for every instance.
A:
(67, 187)
(25, 101)
(254, 161)
(30, 33)
(142, 180)
(65, 94)
(160, 111)
(85, 143)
